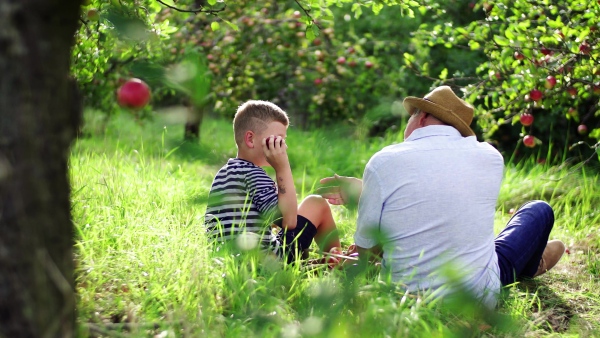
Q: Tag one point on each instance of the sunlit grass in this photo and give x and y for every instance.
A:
(144, 266)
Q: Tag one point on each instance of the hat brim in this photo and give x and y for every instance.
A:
(443, 114)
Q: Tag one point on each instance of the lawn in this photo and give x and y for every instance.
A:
(144, 267)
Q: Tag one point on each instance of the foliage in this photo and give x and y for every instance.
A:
(525, 43)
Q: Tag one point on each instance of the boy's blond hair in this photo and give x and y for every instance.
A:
(254, 115)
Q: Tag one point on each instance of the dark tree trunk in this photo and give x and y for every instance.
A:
(39, 116)
(194, 123)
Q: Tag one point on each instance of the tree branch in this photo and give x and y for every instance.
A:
(201, 9)
(306, 11)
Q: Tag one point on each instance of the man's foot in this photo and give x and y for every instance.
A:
(552, 254)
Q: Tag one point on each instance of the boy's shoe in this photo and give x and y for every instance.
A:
(552, 254)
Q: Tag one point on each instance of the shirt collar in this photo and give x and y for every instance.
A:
(433, 131)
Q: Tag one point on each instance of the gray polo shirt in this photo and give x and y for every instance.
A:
(430, 203)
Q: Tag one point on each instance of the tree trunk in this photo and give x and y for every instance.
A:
(193, 123)
(39, 116)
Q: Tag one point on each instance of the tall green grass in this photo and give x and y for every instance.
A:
(144, 266)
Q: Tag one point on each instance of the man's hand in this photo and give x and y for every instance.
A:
(341, 190)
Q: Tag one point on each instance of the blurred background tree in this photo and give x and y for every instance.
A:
(350, 64)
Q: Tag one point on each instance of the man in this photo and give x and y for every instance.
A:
(429, 203)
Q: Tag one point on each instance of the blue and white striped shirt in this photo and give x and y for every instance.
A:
(242, 198)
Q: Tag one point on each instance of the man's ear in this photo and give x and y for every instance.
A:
(249, 139)
(422, 117)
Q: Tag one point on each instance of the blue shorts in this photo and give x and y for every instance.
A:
(295, 242)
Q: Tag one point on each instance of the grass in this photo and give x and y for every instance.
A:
(144, 267)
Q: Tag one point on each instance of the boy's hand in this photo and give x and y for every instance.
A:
(344, 190)
(275, 150)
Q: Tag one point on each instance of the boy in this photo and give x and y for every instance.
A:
(244, 199)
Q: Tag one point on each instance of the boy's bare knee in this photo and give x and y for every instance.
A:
(315, 201)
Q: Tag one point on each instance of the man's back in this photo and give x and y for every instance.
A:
(434, 198)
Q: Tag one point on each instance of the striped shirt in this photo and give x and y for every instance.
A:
(242, 198)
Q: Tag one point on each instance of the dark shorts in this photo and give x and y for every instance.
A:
(295, 242)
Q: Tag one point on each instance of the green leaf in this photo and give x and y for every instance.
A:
(377, 8)
(474, 45)
(232, 25)
(215, 26)
(500, 40)
(444, 74)
(212, 2)
(509, 34)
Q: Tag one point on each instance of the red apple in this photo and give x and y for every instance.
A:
(582, 129)
(320, 56)
(317, 42)
(368, 64)
(351, 50)
(341, 60)
(550, 82)
(297, 14)
(352, 63)
(519, 56)
(487, 6)
(535, 95)
(597, 88)
(572, 91)
(529, 141)
(93, 14)
(318, 82)
(134, 93)
(526, 119)
(572, 112)
(471, 5)
(545, 51)
(584, 48)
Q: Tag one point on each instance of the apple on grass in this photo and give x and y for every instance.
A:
(526, 119)
(529, 141)
(134, 93)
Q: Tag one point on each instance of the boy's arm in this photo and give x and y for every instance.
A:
(286, 191)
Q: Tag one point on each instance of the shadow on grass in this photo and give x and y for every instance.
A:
(195, 151)
(554, 314)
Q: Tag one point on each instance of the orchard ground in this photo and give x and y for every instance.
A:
(144, 266)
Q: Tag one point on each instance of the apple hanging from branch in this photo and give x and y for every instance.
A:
(550, 82)
(529, 141)
(526, 119)
(134, 93)
(535, 95)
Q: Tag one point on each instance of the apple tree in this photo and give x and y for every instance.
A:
(541, 76)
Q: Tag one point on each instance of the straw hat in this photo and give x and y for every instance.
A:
(443, 104)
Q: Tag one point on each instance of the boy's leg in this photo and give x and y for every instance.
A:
(521, 244)
(317, 210)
